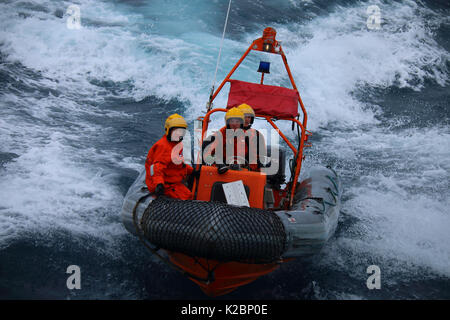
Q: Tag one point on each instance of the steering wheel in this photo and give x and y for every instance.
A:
(241, 162)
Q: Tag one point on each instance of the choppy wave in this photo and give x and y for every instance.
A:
(79, 108)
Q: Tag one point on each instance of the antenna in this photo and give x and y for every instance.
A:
(209, 104)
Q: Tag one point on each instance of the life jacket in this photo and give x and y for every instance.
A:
(242, 146)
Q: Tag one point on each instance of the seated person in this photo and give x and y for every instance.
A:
(254, 139)
(165, 167)
(233, 137)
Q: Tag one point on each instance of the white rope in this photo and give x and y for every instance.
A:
(220, 51)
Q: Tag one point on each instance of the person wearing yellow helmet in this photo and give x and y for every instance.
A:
(234, 119)
(254, 140)
(164, 166)
(230, 136)
(249, 115)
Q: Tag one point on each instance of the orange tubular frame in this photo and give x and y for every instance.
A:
(267, 43)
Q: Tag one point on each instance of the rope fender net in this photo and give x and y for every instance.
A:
(214, 230)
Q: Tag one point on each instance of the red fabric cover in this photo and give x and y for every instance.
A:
(264, 99)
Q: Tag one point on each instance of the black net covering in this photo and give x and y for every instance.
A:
(214, 230)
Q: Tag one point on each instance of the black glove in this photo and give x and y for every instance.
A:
(235, 166)
(194, 175)
(159, 191)
(221, 168)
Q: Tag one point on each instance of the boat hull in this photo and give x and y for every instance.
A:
(307, 227)
(226, 277)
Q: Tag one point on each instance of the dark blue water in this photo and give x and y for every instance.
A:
(79, 110)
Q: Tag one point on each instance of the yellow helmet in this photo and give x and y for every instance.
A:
(174, 121)
(234, 113)
(247, 110)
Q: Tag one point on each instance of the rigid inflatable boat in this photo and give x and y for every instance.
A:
(220, 245)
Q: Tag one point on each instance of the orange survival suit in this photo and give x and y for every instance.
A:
(165, 164)
(241, 146)
(247, 142)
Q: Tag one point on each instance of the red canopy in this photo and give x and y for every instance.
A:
(265, 100)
